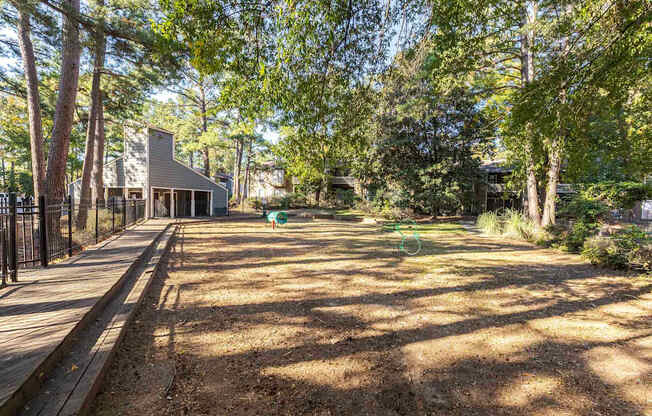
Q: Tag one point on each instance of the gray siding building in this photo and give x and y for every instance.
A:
(148, 170)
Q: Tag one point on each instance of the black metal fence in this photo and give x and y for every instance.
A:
(34, 235)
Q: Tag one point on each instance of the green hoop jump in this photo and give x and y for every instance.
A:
(405, 239)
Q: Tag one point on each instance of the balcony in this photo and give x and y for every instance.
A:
(343, 180)
(565, 188)
(499, 188)
(496, 188)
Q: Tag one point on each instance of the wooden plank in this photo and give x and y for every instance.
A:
(42, 313)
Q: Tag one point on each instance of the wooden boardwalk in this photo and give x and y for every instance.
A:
(45, 306)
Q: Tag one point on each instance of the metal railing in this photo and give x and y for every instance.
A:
(32, 236)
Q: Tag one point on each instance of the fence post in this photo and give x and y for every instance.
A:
(97, 215)
(71, 211)
(13, 251)
(113, 216)
(43, 230)
(3, 242)
(124, 213)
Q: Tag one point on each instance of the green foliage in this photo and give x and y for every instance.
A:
(573, 239)
(517, 225)
(490, 223)
(618, 195)
(427, 150)
(254, 203)
(293, 200)
(344, 197)
(382, 208)
(25, 185)
(584, 209)
(569, 238)
(510, 223)
(628, 249)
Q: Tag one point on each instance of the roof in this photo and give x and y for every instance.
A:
(152, 127)
(270, 165)
(223, 175)
(495, 166)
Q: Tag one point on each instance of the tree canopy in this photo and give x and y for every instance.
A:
(407, 94)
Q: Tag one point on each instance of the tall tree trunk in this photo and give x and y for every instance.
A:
(247, 170)
(318, 193)
(98, 159)
(33, 102)
(85, 192)
(12, 177)
(529, 13)
(235, 173)
(204, 122)
(555, 146)
(65, 107)
(207, 161)
(97, 175)
(238, 169)
(554, 160)
(4, 173)
(532, 192)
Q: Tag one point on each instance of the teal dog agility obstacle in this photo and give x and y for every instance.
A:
(277, 218)
(410, 243)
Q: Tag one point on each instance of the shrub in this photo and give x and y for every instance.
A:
(618, 195)
(364, 206)
(490, 223)
(573, 239)
(394, 213)
(585, 209)
(345, 196)
(628, 249)
(294, 200)
(517, 225)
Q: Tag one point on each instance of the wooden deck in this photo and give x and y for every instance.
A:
(38, 313)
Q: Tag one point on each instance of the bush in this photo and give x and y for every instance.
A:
(585, 209)
(628, 249)
(517, 225)
(294, 200)
(618, 195)
(385, 210)
(346, 197)
(364, 206)
(490, 223)
(573, 239)
(511, 223)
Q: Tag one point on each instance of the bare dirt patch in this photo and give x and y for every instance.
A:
(325, 318)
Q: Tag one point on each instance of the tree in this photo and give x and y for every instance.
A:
(33, 99)
(301, 61)
(538, 66)
(65, 107)
(95, 128)
(492, 47)
(426, 142)
(98, 153)
(200, 94)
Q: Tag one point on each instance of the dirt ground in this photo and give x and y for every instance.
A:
(326, 318)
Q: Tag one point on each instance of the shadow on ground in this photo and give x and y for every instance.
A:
(326, 318)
